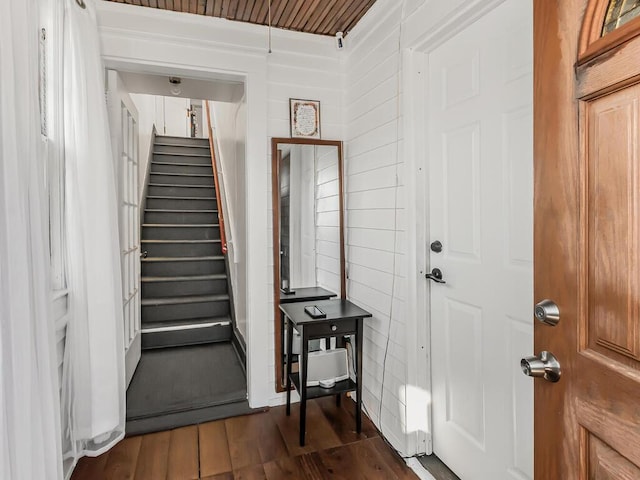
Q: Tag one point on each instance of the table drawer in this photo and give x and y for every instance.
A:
(331, 328)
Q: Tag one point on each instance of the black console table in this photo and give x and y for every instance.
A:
(306, 294)
(342, 318)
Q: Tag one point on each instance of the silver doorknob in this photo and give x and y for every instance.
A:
(547, 312)
(545, 365)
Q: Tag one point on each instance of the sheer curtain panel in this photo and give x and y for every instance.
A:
(93, 392)
(29, 396)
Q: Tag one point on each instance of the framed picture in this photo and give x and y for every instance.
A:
(305, 118)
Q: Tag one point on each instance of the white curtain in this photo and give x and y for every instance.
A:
(93, 391)
(29, 397)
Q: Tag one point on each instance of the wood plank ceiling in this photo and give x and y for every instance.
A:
(323, 17)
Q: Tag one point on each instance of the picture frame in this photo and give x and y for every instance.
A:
(304, 118)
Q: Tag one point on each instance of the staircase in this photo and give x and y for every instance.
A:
(185, 296)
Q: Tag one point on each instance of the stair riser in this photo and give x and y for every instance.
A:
(182, 141)
(177, 168)
(182, 249)
(163, 191)
(169, 313)
(180, 150)
(219, 333)
(191, 287)
(180, 180)
(177, 269)
(179, 204)
(180, 233)
(171, 158)
(181, 217)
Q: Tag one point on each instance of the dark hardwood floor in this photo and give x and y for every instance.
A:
(259, 446)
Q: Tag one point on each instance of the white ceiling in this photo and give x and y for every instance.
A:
(217, 90)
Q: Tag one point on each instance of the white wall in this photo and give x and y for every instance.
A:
(230, 132)
(146, 105)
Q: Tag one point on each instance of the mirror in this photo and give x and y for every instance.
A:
(308, 227)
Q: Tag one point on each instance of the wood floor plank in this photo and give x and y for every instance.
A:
(312, 466)
(183, 454)
(319, 434)
(253, 472)
(243, 436)
(222, 476)
(368, 428)
(286, 468)
(152, 461)
(369, 462)
(214, 449)
(339, 462)
(392, 459)
(288, 427)
(272, 444)
(343, 423)
(91, 468)
(123, 459)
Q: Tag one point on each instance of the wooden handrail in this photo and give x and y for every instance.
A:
(214, 164)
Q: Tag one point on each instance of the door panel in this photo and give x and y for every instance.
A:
(587, 174)
(123, 119)
(612, 236)
(480, 208)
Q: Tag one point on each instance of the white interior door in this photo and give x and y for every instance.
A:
(123, 119)
(481, 209)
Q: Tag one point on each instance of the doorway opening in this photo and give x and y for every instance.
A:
(179, 153)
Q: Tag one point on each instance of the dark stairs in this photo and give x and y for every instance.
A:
(190, 372)
(185, 300)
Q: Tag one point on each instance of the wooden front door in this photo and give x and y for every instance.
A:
(587, 239)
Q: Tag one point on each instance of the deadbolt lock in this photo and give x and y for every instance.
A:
(547, 312)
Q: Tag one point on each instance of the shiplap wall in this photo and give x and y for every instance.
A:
(327, 218)
(375, 202)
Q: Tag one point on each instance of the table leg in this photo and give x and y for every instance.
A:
(283, 367)
(303, 382)
(359, 375)
(289, 350)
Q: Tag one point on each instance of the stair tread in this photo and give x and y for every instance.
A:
(184, 278)
(180, 225)
(181, 241)
(167, 210)
(188, 139)
(173, 154)
(183, 300)
(182, 259)
(153, 162)
(186, 322)
(179, 185)
(190, 145)
(176, 174)
(170, 197)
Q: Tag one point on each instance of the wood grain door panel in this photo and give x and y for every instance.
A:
(587, 243)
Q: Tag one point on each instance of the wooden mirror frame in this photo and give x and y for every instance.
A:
(275, 201)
